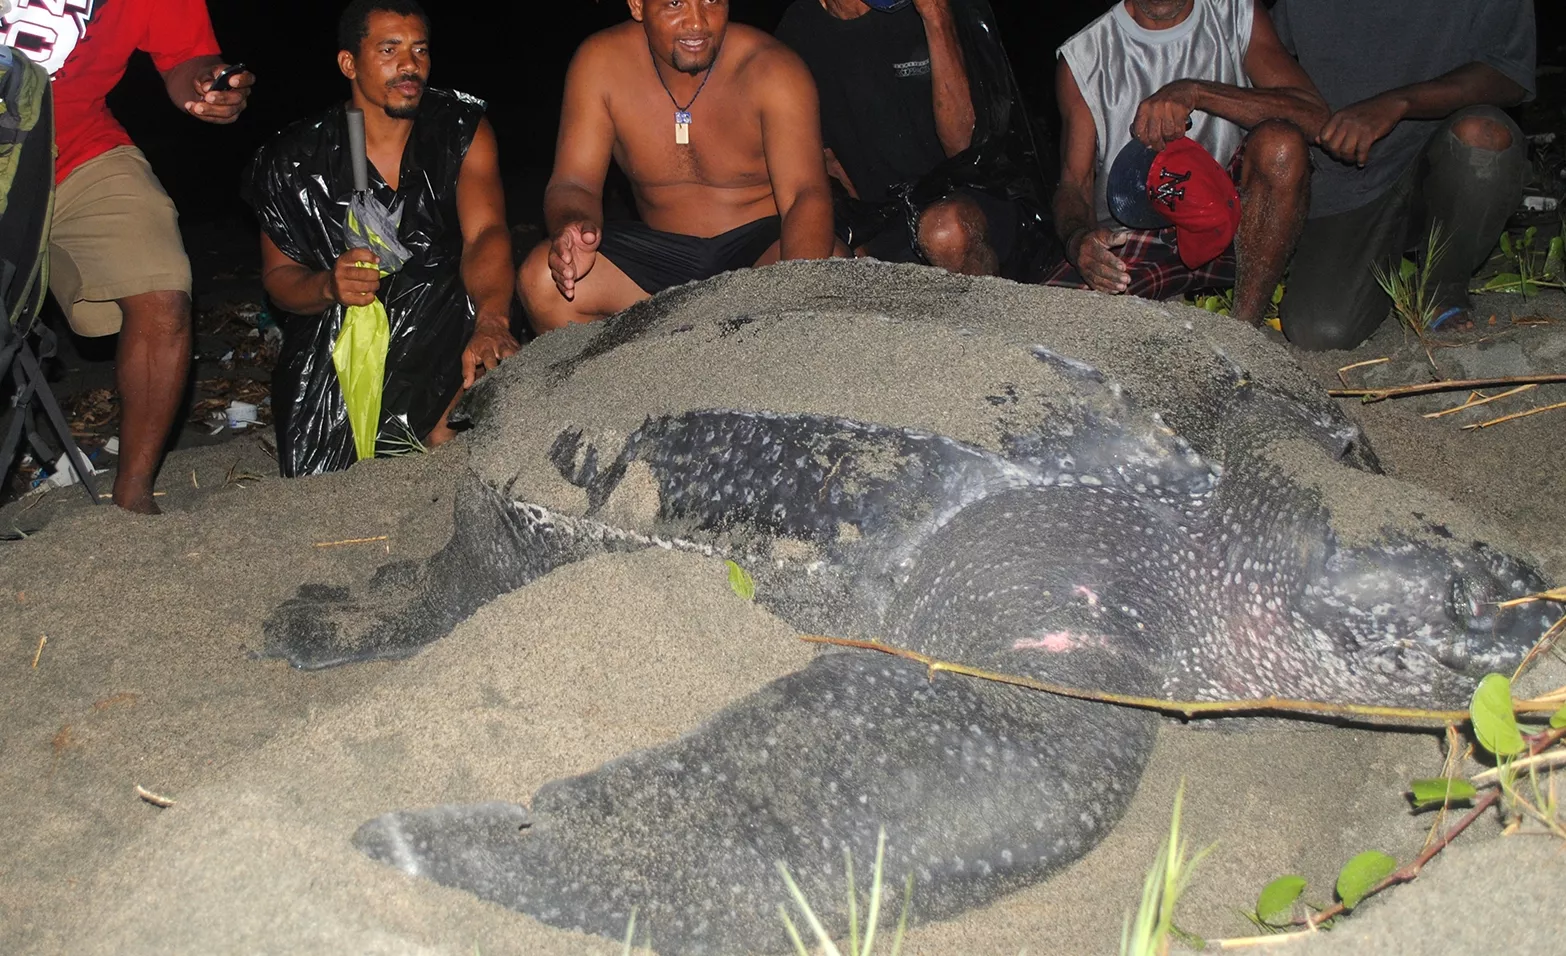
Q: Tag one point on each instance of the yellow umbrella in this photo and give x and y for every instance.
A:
(365, 336)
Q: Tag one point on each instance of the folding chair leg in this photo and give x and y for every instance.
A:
(29, 364)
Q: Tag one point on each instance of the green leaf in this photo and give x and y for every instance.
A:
(1494, 722)
(1506, 245)
(1555, 260)
(1406, 269)
(1558, 719)
(1505, 282)
(741, 582)
(1528, 235)
(1439, 790)
(1362, 873)
(1276, 903)
(1277, 295)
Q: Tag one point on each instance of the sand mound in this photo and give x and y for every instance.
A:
(145, 680)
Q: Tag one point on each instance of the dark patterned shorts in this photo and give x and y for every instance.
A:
(1154, 261)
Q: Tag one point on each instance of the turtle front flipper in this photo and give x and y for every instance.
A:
(497, 545)
(981, 788)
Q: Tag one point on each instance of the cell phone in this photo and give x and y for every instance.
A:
(222, 80)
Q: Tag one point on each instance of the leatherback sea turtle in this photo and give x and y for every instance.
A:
(1088, 491)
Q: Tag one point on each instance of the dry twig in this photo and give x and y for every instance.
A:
(1475, 399)
(1514, 415)
(39, 653)
(157, 800)
(339, 544)
(1349, 368)
(1367, 713)
(1369, 395)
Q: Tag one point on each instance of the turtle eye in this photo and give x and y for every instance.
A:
(1464, 604)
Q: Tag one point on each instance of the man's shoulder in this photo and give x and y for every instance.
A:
(453, 102)
(304, 134)
(612, 42)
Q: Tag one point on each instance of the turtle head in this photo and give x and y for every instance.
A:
(1428, 614)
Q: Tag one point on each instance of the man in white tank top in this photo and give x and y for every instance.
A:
(1156, 70)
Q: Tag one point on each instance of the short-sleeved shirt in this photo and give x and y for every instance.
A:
(877, 97)
(1118, 63)
(86, 44)
(1356, 49)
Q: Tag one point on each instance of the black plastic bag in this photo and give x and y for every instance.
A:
(1003, 159)
(300, 185)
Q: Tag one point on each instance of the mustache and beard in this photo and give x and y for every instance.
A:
(693, 64)
(411, 109)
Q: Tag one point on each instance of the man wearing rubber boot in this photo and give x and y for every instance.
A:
(1162, 71)
(1416, 142)
(716, 127)
(117, 263)
(433, 164)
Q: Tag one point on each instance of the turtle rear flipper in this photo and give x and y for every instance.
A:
(981, 789)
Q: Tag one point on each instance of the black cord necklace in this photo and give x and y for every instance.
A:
(682, 114)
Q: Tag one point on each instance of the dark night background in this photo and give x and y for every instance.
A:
(513, 55)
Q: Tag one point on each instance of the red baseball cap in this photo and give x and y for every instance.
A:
(1188, 187)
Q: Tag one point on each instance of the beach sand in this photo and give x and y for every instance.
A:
(145, 680)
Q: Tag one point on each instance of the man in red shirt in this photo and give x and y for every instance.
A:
(116, 260)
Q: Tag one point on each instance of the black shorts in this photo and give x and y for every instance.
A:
(1002, 221)
(656, 260)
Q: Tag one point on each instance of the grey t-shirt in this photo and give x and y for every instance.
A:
(1355, 49)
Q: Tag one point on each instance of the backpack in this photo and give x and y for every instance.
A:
(26, 187)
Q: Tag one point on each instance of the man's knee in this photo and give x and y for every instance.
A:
(951, 231)
(167, 311)
(1479, 131)
(534, 283)
(1277, 151)
(1330, 322)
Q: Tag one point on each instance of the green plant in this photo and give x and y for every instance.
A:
(1147, 933)
(1528, 273)
(406, 443)
(1222, 303)
(1493, 717)
(1409, 286)
(857, 946)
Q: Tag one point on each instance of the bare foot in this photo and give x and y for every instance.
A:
(135, 495)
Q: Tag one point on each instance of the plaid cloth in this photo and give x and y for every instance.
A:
(1153, 259)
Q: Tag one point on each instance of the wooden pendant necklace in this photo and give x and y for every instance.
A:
(682, 114)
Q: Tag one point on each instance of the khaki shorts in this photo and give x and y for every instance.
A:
(115, 234)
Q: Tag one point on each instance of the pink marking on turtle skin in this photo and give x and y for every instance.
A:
(1056, 642)
(1084, 591)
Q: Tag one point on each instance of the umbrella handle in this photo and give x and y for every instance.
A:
(356, 152)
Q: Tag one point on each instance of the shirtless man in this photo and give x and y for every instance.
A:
(718, 129)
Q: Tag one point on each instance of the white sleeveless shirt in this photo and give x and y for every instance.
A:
(1118, 63)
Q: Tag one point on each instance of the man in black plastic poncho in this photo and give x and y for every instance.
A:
(925, 132)
(433, 157)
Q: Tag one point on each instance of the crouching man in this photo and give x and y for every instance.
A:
(1160, 71)
(717, 128)
(433, 161)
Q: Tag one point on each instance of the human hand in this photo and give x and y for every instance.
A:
(355, 278)
(1165, 116)
(220, 106)
(573, 254)
(490, 343)
(1088, 250)
(1352, 130)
